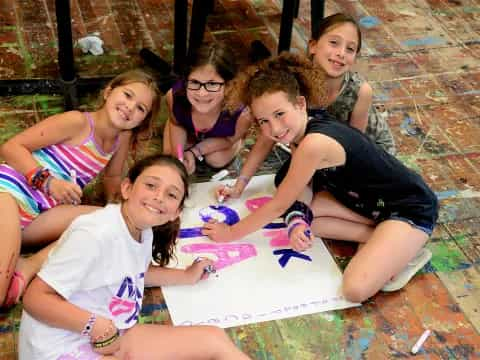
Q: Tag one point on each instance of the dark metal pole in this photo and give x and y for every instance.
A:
(180, 35)
(65, 53)
(198, 23)
(286, 25)
(317, 12)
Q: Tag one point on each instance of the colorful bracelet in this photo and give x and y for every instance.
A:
(297, 208)
(87, 329)
(104, 343)
(293, 215)
(46, 185)
(29, 175)
(294, 224)
(37, 180)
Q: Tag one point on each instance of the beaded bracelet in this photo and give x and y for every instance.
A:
(87, 329)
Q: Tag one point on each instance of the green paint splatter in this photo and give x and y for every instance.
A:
(471, 9)
(27, 58)
(410, 162)
(461, 239)
(446, 257)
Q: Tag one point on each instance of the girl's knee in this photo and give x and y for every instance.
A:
(356, 289)
(219, 159)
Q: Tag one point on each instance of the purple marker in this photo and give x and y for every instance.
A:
(209, 269)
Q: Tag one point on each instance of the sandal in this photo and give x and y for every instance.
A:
(401, 279)
(15, 290)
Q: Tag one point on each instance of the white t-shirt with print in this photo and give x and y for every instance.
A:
(97, 266)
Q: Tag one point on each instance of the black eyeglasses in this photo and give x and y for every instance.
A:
(210, 86)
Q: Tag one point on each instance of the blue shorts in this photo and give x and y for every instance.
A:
(426, 228)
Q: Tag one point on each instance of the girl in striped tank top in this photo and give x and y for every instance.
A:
(48, 165)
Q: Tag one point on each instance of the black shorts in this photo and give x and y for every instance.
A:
(419, 210)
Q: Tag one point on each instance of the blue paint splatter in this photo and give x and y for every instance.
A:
(407, 127)
(364, 343)
(424, 41)
(381, 97)
(369, 21)
(441, 195)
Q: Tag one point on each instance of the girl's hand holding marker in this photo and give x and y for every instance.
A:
(202, 267)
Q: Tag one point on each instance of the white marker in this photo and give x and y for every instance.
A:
(73, 175)
(284, 147)
(420, 341)
(220, 175)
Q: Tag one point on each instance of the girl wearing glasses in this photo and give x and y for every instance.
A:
(198, 127)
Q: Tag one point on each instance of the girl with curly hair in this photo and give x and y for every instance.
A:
(370, 198)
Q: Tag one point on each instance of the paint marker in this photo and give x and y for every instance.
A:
(284, 147)
(180, 152)
(220, 175)
(221, 197)
(209, 269)
(73, 176)
(420, 341)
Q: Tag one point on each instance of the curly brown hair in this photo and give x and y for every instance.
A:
(293, 74)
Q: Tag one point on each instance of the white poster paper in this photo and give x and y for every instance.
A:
(259, 277)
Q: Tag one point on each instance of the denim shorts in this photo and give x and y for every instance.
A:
(426, 228)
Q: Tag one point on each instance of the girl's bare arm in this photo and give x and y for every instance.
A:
(359, 116)
(113, 172)
(60, 128)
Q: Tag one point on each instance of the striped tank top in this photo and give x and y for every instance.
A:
(86, 159)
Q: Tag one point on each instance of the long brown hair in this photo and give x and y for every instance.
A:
(143, 131)
(291, 73)
(330, 22)
(164, 236)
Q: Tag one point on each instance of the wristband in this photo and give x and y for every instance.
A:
(294, 224)
(293, 215)
(104, 343)
(296, 209)
(29, 175)
(87, 329)
(37, 180)
(46, 185)
(196, 152)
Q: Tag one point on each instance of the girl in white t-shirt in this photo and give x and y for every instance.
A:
(85, 301)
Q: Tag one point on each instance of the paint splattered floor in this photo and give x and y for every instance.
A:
(423, 60)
